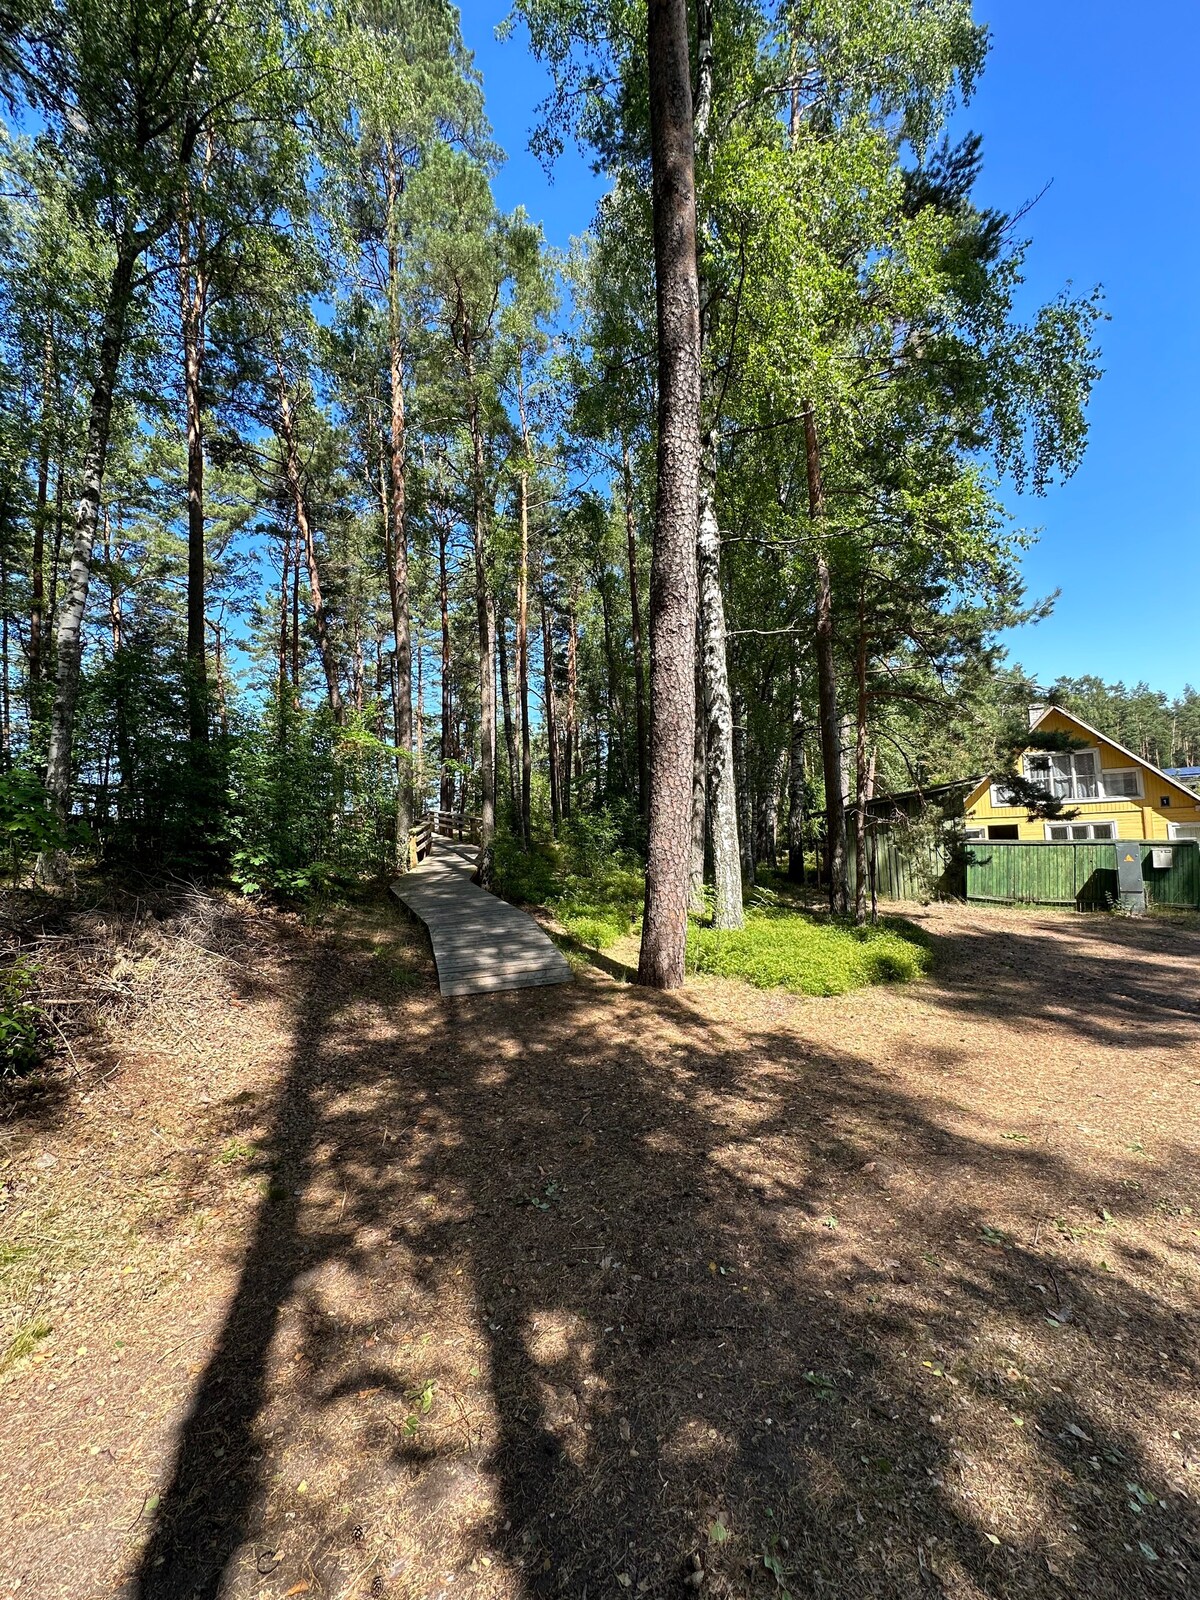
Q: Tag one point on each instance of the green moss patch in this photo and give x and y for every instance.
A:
(789, 950)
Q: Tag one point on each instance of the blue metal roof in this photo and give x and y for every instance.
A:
(1182, 772)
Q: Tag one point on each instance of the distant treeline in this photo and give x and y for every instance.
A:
(1148, 722)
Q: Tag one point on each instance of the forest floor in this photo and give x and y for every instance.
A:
(324, 1285)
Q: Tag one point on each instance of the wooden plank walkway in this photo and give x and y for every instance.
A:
(480, 942)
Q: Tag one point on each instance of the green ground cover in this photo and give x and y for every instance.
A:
(597, 898)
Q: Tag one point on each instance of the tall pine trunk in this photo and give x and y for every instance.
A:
(69, 640)
(673, 567)
(37, 576)
(523, 665)
(796, 784)
(397, 544)
(551, 711)
(295, 482)
(193, 298)
(635, 618)
(485, 616)
(830, 728)
(419, 732)
(571, 732)
(446, 788)
(523, 614)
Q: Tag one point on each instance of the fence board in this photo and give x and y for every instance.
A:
(921, 870)
(1082, 874)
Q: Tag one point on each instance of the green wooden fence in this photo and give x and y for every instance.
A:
(1082, 874)
(912, 869)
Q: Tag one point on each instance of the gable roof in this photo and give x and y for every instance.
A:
(1140, 761)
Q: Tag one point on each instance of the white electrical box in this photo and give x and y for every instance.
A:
(1161, 856)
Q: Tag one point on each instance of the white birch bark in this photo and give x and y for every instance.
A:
(718, 707)
(714, 668)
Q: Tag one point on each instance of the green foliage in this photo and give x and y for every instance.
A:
(600, 906)
(592, 840)
(1039, 800)
(20, 1041)
(594, 888)
(169, 808)
(27, 824)
(312, 804)
(791, 950)
(528, 877)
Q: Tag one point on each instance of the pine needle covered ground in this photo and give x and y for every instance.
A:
(315, 1283)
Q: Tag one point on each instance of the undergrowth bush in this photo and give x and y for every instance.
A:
(601, 908)
(27, 822)
(530, 877)
(593, 887)
(790, 950)
(20, 1038)
(312, 805)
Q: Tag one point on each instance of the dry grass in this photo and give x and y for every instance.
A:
(355, 1290)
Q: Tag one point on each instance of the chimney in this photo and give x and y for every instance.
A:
(1035, 712)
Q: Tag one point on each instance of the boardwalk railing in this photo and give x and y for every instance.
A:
(457, 825)
(460, 825)
(420, 840)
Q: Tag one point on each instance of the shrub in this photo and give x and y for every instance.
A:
(313, 805)
(603, 908)
(27, 823)
(531, 877)
(593, 887)
(20, 1039)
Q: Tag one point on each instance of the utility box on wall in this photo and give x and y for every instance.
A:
(1131, 885)
(1162, 858)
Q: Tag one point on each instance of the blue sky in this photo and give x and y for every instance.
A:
(1078, 96)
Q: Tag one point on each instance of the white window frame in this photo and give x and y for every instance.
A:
(1139, 788)
(1183, 830)
(974, 835)
(1102, 773)
(1091, 824)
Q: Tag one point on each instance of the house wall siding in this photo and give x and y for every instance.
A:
(1145, 818)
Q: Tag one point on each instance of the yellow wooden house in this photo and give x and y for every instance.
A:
(1112, 793)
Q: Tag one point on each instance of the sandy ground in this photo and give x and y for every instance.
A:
(330, 1286)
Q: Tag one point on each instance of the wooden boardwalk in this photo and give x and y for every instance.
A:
(480, 943)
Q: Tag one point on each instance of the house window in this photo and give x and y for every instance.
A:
(974, 833)
(1066, 774)
(1121, 783)
(1003, 831)
(1064, 832)
(1077, 775)
(1185, 830)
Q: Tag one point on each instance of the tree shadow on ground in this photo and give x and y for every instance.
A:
(1115, 981)
(739, 1314)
